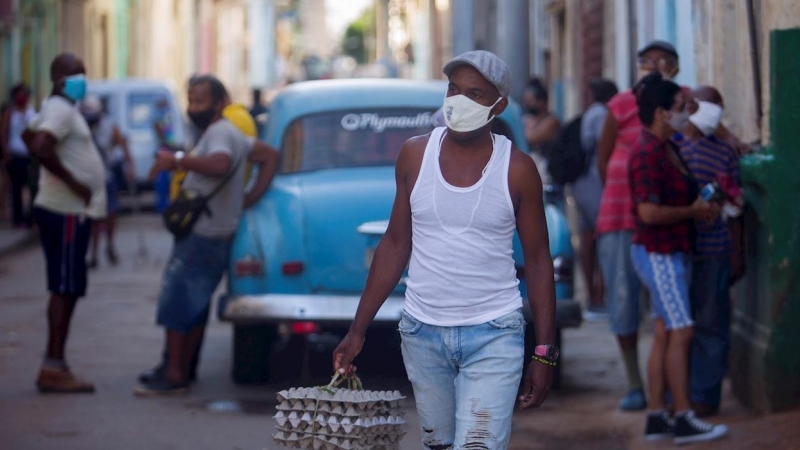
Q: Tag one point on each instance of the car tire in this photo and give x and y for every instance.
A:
(252, 348)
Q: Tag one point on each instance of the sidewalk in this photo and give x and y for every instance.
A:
(12, 239)
(584, 414)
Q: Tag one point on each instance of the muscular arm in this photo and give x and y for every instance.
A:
(267, 158)
(532, 229)
(42, 145)
(605, 146)
(526, 188)
(214, 165)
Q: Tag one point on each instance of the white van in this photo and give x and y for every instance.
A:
(135, 105)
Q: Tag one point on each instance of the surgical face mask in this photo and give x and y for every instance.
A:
(464, 115)
(707, 117)
(92, 118)
(678, 120)
(75, 87)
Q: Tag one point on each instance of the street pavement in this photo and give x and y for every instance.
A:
(114, 337)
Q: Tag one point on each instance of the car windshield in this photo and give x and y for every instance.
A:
(145, 109)
(360, 138)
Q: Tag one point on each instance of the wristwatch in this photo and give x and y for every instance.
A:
(548, 352)
(178, 157)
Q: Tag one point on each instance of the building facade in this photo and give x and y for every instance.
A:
(162, 39)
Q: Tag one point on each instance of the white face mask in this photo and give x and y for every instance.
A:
(678, 120)
(707, 117)
(464, 115)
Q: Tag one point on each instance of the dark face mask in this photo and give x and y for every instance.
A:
(534, 111)
(202, 119)
(92, 119)
(21, 100)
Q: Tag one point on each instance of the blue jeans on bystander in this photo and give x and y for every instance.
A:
(711, 308)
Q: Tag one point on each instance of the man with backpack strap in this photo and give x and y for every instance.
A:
(587, 190)
(199, 259)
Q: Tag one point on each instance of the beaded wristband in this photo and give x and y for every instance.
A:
(544, 361)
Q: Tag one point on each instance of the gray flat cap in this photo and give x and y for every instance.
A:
(488, 64)
(664, 46)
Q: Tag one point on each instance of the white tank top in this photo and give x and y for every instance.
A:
(461, 270)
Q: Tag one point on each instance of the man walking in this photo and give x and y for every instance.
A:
(198, 260)
(71, 195)
(461, 193)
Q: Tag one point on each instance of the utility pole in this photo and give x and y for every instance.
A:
(463, 26)
(513, 45)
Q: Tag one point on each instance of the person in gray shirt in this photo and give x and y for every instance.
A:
(587, 191)
(199, 260)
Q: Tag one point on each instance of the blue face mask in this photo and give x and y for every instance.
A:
(75, 87)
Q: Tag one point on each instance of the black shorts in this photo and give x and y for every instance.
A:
(65, 239)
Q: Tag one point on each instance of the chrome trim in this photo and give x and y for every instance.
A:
(376, 227)
(320, 308)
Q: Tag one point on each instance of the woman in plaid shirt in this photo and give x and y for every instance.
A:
(665, 203)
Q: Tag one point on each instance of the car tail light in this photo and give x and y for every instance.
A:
(292, 268)
(305, 328)
(562, 269)
(248, 266)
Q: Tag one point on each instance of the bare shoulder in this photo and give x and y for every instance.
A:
(523, 174)
(522, 164)
(412, 151)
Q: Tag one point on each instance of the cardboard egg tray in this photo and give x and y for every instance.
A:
(326, 418)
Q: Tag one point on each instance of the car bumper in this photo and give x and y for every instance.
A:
(341, 309)
(330, 309)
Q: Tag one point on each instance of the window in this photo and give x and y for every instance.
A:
(146, 109)
(360, 138)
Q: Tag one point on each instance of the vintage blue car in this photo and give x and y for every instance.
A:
(300, 258)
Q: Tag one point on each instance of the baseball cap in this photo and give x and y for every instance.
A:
(659, 45)
(488, 64)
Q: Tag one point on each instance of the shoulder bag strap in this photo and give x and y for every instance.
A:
(225, 180)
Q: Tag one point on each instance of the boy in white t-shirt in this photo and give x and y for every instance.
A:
(71, 195)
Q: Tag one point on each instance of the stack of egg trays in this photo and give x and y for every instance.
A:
(339, 419)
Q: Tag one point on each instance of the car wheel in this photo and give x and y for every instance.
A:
(252, 348)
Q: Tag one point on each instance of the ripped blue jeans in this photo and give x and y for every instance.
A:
(465, 380)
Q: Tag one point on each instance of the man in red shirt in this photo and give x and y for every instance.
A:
(615, 223)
